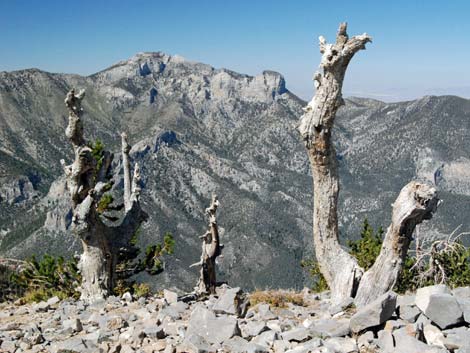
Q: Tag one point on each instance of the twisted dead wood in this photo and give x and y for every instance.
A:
(87, 182)
(416, 202)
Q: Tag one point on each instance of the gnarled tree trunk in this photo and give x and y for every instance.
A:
(86, 182)
(341, 271)
(211, 249)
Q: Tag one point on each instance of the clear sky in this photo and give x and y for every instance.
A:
(419, 47)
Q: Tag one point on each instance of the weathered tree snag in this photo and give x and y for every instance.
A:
(340, 269)
(415, 203)
(211, 249)
(86, 182)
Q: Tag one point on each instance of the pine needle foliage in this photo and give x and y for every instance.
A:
(48, 277)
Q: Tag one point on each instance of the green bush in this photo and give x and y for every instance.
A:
(447, 261)
(97, 151)
(104, 203)
(313, 268)
(367, 247)
(48, 277)
(151, 262)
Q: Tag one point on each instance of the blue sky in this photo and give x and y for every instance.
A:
(419, 47)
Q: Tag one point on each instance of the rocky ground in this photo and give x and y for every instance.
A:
(435, 319)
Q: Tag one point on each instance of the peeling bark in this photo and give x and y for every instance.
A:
(86, 182)
(341, 271)
(211, 249)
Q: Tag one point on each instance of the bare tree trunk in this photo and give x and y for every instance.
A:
(415, 203)
(211, 249)
(340, 269)
(86, 184)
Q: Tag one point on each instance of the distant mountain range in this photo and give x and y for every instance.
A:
(196, 130)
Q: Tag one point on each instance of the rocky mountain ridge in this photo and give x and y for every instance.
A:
(196, 130)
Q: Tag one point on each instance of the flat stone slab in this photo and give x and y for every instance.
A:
(213, 329)
(438, 304)
(375, 313)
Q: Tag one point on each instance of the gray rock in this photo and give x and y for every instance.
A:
(116, 323)
(8, 346)
(405, 299)
(41, 307)
(127, 334)
(231, 302)
(288, 314)
(423, 295)
(153, 306)
(154, 332)
(96, 304)
(330, 327)
(171, 312)
(265, 313)
(299, 334)
(53, 301)
(385, 341)
(365, 340)
(433, 336)
(253, 328)
(307, 347)
(441, 308)
(464, 303)
(74, 324)
(412, 330)
(281, 346)
(34, 338)
(95, 337)
(375, 313)
(408, 344)
(275, 326)
(142, 313)
(341, 306)
(96, 319)
(195, 344)
(252, 347)
(214, 330)
(422, 319)
(392, 325)
(461, 292)
(71, 345)
(240, 345)
(408, 313)
(341, 344)
(21, 311)
(125, 348)
(170, 297)
(266, 339)
(457, 338)
(127, 297)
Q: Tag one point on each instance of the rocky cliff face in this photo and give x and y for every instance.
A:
(198, 130)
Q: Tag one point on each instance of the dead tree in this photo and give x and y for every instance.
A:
(211, 249)
(417, 201)
(87, 181)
